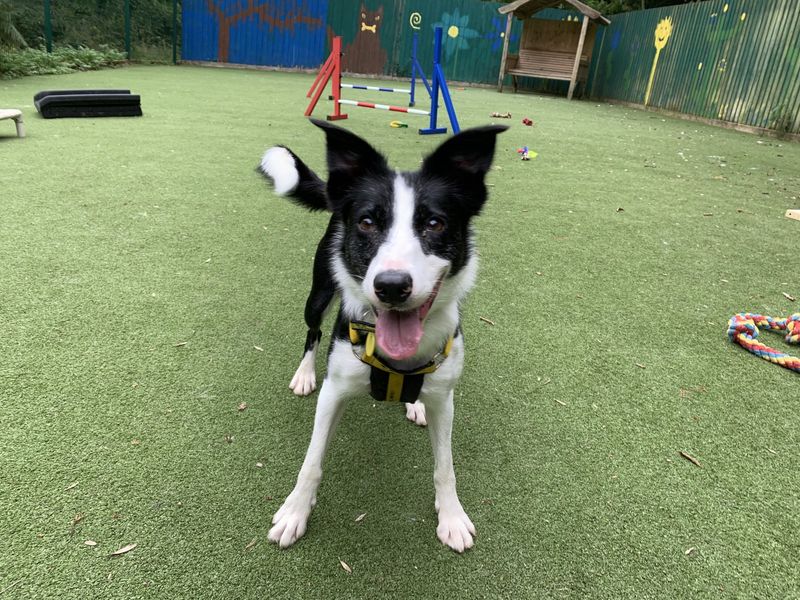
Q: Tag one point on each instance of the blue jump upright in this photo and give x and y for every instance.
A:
(439, 83)
(415, 69)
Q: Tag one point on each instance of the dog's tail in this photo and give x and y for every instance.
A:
(291, 177)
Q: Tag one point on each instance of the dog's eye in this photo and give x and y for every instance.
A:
(435, 225)
(366, 225)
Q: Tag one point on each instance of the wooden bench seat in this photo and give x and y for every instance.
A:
(16, 115)
(541, 63)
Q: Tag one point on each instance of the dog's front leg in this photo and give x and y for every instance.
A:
(455, 528)
(289, 523)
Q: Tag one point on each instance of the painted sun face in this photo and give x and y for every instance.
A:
(663, 31)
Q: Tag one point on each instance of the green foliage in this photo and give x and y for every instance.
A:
(37, 61)
(92, 23)
(9, 34)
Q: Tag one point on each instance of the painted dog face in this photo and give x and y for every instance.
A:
(405, 238)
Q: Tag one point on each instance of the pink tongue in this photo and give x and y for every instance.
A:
(398, 333)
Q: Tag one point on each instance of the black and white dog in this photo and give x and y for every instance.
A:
(399, 250)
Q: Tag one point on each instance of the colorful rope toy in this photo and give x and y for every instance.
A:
(743, 330)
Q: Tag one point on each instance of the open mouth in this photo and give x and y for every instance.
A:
(399, 332)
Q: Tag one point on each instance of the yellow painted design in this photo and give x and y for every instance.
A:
(453, 31)
(743, 17)
(700, 66)
(725, 8)
(663, 31)
(415, 20)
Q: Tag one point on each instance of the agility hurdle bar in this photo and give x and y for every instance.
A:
(332, 71)
(402, 109)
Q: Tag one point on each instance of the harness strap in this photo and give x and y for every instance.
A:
(388, 383)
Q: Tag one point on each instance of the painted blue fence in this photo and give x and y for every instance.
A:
(280, 33)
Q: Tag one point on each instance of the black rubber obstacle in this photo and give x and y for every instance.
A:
(53, 104)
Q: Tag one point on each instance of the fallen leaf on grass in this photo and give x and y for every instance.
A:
(229, 438)
(708, 214)
(135, 442)
(259, 465)
(788, 297)
(640, 365)
(689, 551)
(123, 550)
(345, 566)
(74, 484)
(90, 543)
(620, 209)
(560, 402)
(360, 517)
(485, 320)
(77, 519)
(242, 406)
(250, 545)
(259, 348)
(691, 459)
(687, 392)
(179, 344)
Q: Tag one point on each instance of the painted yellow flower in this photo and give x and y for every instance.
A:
(663, 31)
(452, 31)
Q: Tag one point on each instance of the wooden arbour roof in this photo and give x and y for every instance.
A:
(522, 9)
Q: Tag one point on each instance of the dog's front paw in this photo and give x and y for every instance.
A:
(416, 413)
(289, 523)
(305, 378)
(455, 529)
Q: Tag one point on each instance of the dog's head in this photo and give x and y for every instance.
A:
(405, 239)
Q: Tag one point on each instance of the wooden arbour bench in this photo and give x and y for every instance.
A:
(544, 64)
(549, 49)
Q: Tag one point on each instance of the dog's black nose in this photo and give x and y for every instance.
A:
(393, 287)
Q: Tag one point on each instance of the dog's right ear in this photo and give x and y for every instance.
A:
(349, 159)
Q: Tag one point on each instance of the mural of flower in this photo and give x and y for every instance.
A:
(498, 34)
(456, 32)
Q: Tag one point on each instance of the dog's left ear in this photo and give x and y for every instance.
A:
(466, 155)
(463, 161)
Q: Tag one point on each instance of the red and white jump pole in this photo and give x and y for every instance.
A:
(402, 109)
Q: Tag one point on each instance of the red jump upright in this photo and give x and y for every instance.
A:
(331, 69)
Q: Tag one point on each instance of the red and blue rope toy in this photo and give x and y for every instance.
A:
(743, 330)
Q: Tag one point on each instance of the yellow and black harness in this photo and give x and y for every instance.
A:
(385, 382)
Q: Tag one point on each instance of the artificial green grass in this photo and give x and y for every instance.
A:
(150, 283)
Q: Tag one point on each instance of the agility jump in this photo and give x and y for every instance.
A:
(332, 71)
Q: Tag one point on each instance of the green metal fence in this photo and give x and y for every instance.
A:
(727, 60)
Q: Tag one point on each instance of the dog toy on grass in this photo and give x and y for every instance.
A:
(398, 124)
(743, 330)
